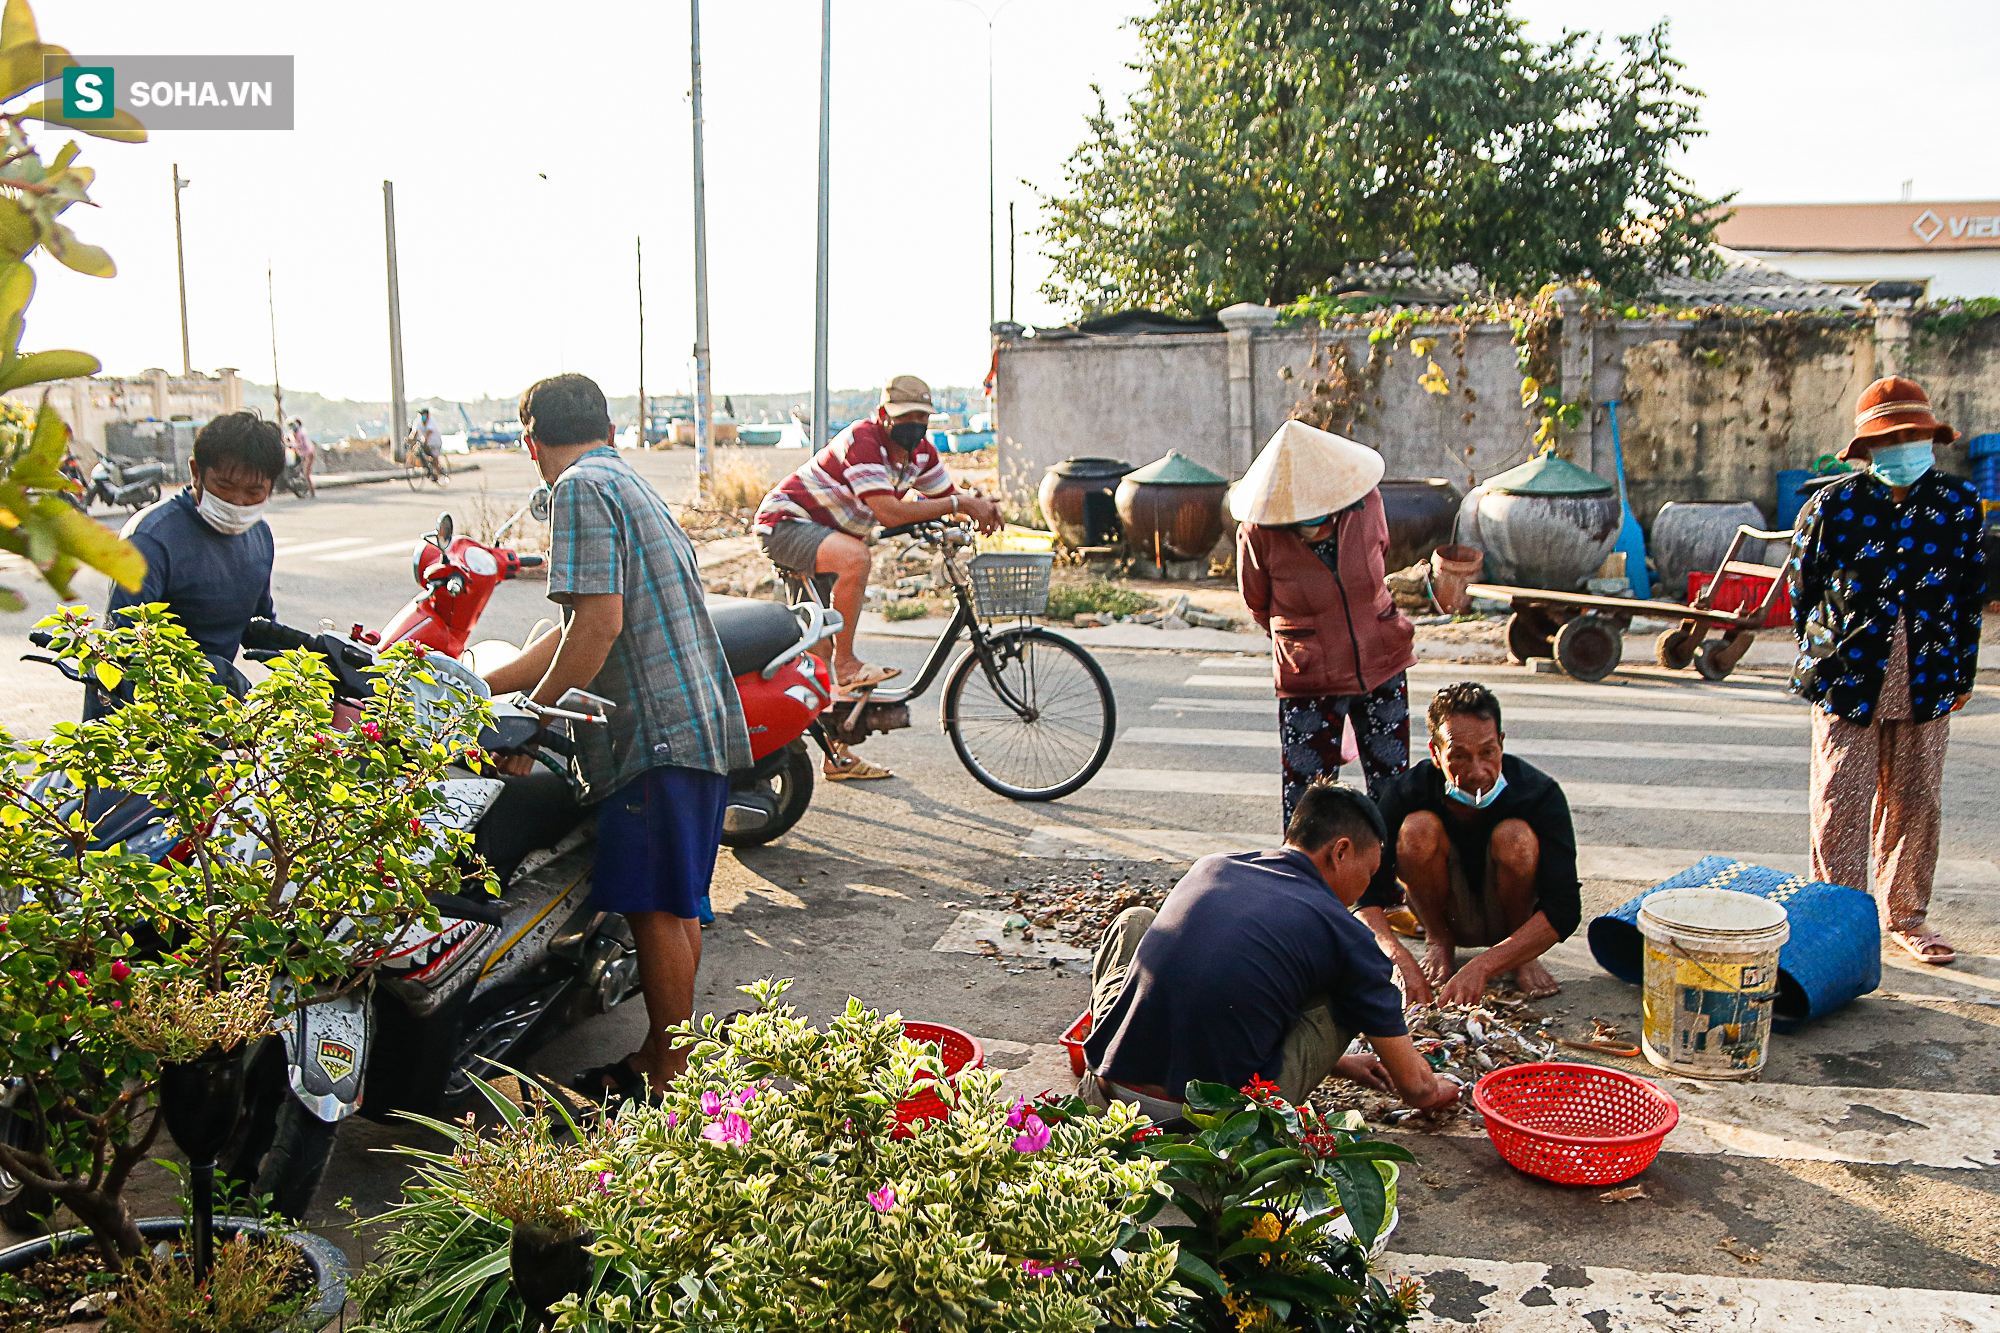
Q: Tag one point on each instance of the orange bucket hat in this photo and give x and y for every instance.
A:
(1889, 405)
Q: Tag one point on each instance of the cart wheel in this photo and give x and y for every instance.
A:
(1708, 660)
(1675, 649)
(1590, 647)
(1528, 635)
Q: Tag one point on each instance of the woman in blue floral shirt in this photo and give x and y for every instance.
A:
(1887, 589)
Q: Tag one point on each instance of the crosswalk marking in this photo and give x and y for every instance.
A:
(1239, 663)
(1538, 747)
(1508, 1297)
(1170, 705)
(1200, 782)
(307, 548)
(1240, 682)
(1640, 717)
(402, 548)
(1255, 740)
(1585, 795)
(1633, 691)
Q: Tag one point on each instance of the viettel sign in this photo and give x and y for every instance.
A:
(1929, 226)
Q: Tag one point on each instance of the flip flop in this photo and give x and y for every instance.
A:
(856, 769)
(608, 1084)
(1404, 922)
(1921, 947)
(868, 677)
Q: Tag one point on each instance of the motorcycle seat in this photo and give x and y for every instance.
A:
(531, 813)
(752, 632)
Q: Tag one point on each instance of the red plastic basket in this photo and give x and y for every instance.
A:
(1575, 1124)
(1073, 1040)
(960, 1051)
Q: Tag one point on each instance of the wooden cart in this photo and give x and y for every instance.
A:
(1586, 634)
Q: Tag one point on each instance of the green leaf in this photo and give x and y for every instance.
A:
(1362, 1196)
(1188, 1266)
(123, 127)
(99, 547)
(39, 367)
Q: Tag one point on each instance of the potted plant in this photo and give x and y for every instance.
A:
(139, 956)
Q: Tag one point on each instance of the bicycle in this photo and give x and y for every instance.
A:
(1030, 713)
(419, 466)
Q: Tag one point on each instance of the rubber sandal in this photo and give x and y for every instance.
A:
(1404, 922)
(605, 1084)
(867, 678)
(1919, 947)
(856, 769)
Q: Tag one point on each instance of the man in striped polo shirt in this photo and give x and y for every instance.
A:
(817, 520)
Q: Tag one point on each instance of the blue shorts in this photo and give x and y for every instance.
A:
(656, 842)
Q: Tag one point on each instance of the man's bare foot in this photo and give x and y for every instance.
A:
(1535, 981)
(1440, 963)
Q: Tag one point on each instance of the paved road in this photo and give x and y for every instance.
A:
(1853, 1187)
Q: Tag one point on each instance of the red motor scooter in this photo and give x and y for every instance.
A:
(783, 686)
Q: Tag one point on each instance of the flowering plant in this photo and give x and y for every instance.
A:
(161, 865)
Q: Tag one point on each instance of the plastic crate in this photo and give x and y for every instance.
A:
(1073, 1040)
(1738, 591)
(1011, 583)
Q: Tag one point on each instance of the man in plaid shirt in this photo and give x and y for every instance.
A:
(635, 630)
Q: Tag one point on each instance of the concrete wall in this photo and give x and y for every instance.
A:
(87, 404)
(1706, 411)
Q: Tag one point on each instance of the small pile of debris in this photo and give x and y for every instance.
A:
(1464, 1041)
(1411, 589)
(1078, 908)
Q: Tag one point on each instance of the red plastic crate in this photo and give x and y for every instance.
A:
(1740, 590)
(1072, 1040)
(960, 1051)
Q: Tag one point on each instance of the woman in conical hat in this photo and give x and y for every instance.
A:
(1310, 563)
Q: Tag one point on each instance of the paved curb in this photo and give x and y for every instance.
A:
(339, 479)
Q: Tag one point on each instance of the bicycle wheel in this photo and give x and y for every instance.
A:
(1059, 737)
(413, 473)
(440, 476)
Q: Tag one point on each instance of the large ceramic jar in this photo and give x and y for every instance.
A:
(1545, 524)
(1694, 535)
(1077, 502)
(1171, 509)
(1421, 511)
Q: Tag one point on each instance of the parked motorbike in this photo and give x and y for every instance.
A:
(133, 485)
(72, 471)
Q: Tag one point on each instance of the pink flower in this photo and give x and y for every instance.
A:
(711, 1103)
(744, 1097)
(673, 1118)
(1034, 1135)
(119, 971)
(731, 1131)
(1035, 1268)
(372, 730)
(1018, 1114)
(118, 1004)
(604, 1182)
(884, 1199)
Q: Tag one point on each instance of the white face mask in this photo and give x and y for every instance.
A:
(228, 519)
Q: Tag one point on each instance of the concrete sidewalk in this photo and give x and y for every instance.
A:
(452, 466)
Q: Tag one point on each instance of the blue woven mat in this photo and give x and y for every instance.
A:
(1833, 955)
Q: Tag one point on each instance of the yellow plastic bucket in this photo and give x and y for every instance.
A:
(1710, 977)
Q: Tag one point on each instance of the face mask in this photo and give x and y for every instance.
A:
(1312, 523)
(1464, 797)
(908, 434)
(228, 519)
(1901, 464)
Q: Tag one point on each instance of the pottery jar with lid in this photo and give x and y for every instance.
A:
(1171, 509)
(1077, 501)
(1545, 524)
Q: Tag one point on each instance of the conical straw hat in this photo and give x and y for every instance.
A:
(1302, 473)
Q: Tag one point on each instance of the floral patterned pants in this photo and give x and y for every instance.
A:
(1879, 788)
(1309, 736)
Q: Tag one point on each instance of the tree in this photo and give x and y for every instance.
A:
(1276, 142)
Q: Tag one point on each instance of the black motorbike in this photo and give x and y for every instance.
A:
(127, 483)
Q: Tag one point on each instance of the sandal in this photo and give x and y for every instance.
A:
(867, 678)
(1404, 922)
(1929, 947)
(606, 1084)
(854, 769)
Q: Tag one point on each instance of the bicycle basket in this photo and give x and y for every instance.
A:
(1011, 583)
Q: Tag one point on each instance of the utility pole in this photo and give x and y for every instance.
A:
(277, 384)
(645, 417)
(819, 407)
(397, 428)
(703, 410)
(180, 259)
(1010, 261)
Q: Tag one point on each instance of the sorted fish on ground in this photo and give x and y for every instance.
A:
(1461, 1040)
(1077, 907)
(1626, 1195)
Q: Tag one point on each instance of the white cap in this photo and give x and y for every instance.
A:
(1303, 473)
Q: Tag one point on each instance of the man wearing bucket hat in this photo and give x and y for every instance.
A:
(1888, 581)
(817, 521)
(1310, 564)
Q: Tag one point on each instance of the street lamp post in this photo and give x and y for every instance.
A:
(820, 289)
(180, 261)
(992, 175)
(703, 408)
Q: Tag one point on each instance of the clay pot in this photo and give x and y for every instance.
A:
(1076, 500)
(1421, 511)
(1171, 509)
(1545, 524)
(1693, 535)
(1452, 569)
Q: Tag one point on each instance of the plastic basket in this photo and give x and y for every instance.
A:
(960, 1051)
(1011, 583)
(1575, 1124)
(1073, 1040)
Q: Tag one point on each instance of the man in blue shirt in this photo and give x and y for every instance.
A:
(1255, 965)
(208, 550)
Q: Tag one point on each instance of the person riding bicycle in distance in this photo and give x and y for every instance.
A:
(817, 520)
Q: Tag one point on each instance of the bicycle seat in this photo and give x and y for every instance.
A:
(752, 632)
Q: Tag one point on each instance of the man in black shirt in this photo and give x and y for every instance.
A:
(1255, 966)
(1484, 847)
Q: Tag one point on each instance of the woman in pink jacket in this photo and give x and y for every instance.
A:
(1309, 561)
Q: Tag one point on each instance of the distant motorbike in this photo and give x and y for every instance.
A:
(294, 478)
(131, 484)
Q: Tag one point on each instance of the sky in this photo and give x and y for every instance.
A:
(531, 144)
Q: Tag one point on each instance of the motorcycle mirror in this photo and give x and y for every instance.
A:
(538, 504)
(444, 531)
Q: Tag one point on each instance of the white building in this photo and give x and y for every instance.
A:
(1953, 249)
(87, 404)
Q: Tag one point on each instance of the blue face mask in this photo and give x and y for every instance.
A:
(1480, 802)
(1901, 464)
